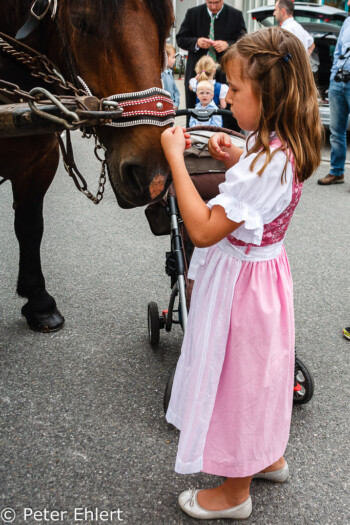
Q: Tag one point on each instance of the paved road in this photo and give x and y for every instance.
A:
(81, 419)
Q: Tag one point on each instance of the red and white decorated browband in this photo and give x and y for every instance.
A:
(152, 106)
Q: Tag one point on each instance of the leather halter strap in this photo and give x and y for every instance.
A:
(38, 11)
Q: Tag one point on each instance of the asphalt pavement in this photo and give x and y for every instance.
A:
(83, 434)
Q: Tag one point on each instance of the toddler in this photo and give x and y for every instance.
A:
(206, 70)
(168, 79)
(205, 94)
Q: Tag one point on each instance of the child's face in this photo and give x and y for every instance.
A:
(205, 96)
(245, 105)
(171, 60)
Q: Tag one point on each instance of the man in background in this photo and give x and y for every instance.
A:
(284, 10)
(339, 107)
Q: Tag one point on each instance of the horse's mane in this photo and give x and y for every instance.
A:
(105, 10)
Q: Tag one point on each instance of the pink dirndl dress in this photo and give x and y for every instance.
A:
(233, 388)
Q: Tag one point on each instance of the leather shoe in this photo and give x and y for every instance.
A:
(189, 504)
(277, 476)
(331, 179)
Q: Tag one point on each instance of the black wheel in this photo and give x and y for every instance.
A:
(304, 382)
(153, 323)
(168, 389)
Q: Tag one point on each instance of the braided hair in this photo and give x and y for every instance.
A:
(276, 63)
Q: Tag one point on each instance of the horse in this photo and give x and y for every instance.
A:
(112, 47)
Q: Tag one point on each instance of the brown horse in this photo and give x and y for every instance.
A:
(115, 46)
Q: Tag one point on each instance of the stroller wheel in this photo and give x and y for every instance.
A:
(153, 323)
(304, 383)
(168, 389)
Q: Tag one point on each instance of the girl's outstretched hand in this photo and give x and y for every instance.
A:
(218, 145)
(174, 142)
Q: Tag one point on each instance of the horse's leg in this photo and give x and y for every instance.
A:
(29, 190)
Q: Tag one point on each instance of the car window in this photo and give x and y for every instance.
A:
(324, 21)
(317, 21)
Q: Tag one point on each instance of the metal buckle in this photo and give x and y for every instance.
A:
(40, 17)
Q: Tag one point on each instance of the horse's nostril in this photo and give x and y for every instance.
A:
(134, 177)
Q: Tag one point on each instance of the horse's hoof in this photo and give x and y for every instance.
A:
(43, 322)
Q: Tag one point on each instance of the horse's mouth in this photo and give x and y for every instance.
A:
(132, 189)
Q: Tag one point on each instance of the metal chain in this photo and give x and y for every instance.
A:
(73, 171)
(103, 175)
(39, 66)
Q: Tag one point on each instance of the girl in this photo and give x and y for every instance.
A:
(233, 388)
(206, 69)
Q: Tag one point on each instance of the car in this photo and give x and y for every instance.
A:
(323, 22)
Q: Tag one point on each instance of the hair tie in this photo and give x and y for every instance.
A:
(204, 71)
(287, 57)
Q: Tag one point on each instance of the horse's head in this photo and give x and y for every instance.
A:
(118, 47)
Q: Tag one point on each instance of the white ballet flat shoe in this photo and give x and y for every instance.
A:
(277, 476)
(189, 504)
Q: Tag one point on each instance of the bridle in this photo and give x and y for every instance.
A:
(153, 106)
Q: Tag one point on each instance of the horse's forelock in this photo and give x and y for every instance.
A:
(163, 17)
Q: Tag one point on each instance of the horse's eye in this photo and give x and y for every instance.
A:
(83, 24)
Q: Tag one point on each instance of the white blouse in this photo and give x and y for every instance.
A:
(255, 199)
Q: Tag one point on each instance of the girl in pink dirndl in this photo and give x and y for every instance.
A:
(233, 388)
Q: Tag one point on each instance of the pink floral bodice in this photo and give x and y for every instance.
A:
(275, 231)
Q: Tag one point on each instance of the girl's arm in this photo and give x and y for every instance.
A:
(221, 148)
(205, 226)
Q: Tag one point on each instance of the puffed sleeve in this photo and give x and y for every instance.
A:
(255, 199)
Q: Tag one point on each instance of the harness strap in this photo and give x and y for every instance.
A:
(69, 161)
(32, 22)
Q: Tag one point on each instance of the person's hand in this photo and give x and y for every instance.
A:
(174, 142)
(218, 145)
(220, 45)
(205, 43)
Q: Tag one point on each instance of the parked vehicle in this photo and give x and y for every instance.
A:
(323, 23)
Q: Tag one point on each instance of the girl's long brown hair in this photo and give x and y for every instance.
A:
(276, 63)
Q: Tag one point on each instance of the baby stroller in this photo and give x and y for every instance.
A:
(164, 219)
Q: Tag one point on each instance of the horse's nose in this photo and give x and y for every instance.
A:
(137, 180)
